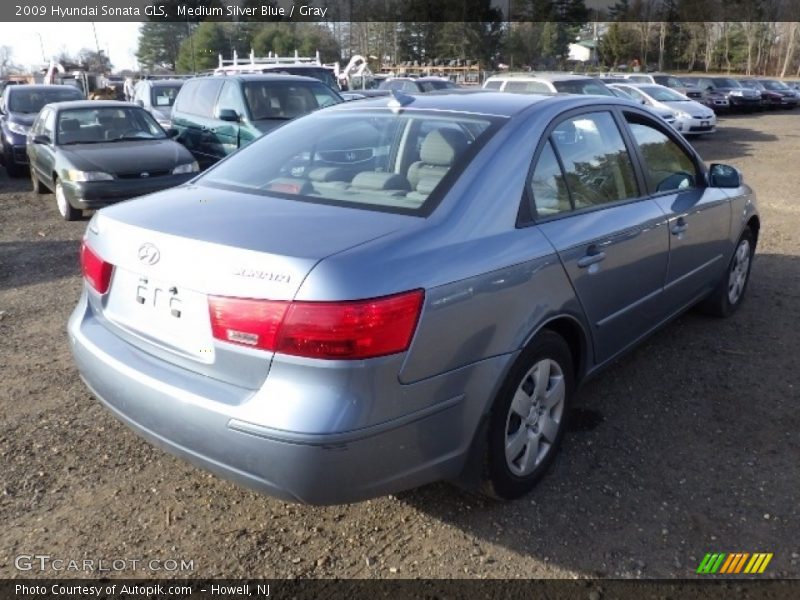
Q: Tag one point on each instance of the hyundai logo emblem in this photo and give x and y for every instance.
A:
(149, 254)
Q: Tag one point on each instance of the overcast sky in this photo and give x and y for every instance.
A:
(118, 40)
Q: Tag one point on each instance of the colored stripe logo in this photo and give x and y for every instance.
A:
(734, 563)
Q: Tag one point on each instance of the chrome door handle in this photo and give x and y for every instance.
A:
(679, 227)
(592, 257)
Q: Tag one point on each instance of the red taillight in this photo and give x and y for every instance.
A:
(332, 330)
(96, 271)
(248, 322)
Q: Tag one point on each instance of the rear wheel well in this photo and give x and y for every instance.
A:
(574, 335)
(754, 224)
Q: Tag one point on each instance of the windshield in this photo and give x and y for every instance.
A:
(663, 94)
(32, 100)
(775, 85)
(579, 86)
(364, 158)
(727, 83)
(284, 100)
(163, 96)
(106, 124)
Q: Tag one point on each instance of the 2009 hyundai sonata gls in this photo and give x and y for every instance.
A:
(397, 291)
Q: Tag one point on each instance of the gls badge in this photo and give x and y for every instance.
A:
(149, 254)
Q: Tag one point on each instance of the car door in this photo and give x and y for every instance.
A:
(611, 238)
(42, 156)
(227, 133)
(193, 118)
(699, 216)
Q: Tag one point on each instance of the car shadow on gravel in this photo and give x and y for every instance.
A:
(730, 143)
(24, 263)
(687, 445)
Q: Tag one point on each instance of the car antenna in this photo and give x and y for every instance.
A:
(399, 100)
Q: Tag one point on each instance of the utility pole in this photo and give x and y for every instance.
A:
(96, 43)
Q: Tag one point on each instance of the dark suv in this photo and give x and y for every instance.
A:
(19, 106)
(217, 115)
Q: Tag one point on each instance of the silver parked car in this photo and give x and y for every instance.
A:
(396, 291)
(691, 118)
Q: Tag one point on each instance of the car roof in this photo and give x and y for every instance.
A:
(40, 86)
(485, 102)
(262, 76)
(72, 104)
(158, 82)
(543, 77)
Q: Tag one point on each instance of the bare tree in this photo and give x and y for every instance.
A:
(7, 65)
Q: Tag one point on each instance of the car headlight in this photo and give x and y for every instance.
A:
(737, 92)
(682, 115)
(191, 167)
(75, 175)
(18, 128)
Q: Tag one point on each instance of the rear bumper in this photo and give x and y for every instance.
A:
(96, 194)
(195, 418)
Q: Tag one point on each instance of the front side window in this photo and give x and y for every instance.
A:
(597, 166)
(230, 98)
(282, 100)
(667, 166)
(197, 97)
(362, 158)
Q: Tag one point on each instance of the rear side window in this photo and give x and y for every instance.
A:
(547, 187)
(493, 85)
(197, 97)
(597, 167)
(667, 166)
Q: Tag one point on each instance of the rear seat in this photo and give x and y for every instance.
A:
(439, 151)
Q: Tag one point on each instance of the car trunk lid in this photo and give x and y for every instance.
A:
(172, 250)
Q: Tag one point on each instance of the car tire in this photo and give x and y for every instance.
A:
(65, 209)
(529, 417)
(36, 185)
(729, 293)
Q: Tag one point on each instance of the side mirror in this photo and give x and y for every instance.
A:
(724, 176)
(228, 114)
(42, 139)
(171, 132)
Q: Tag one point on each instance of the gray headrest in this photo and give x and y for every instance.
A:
(374, 180)
(442, 146)
(70, 125)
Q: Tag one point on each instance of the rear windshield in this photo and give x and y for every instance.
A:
(579, 86)
(371, 159)
(431, 85)
(32, 101)
(164, 95)
(282, 100)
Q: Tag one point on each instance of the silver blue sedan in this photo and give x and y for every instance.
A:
(396, 291)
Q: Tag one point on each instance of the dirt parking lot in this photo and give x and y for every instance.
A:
(690, 444)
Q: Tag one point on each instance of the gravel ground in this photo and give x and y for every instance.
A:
(688, 445)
